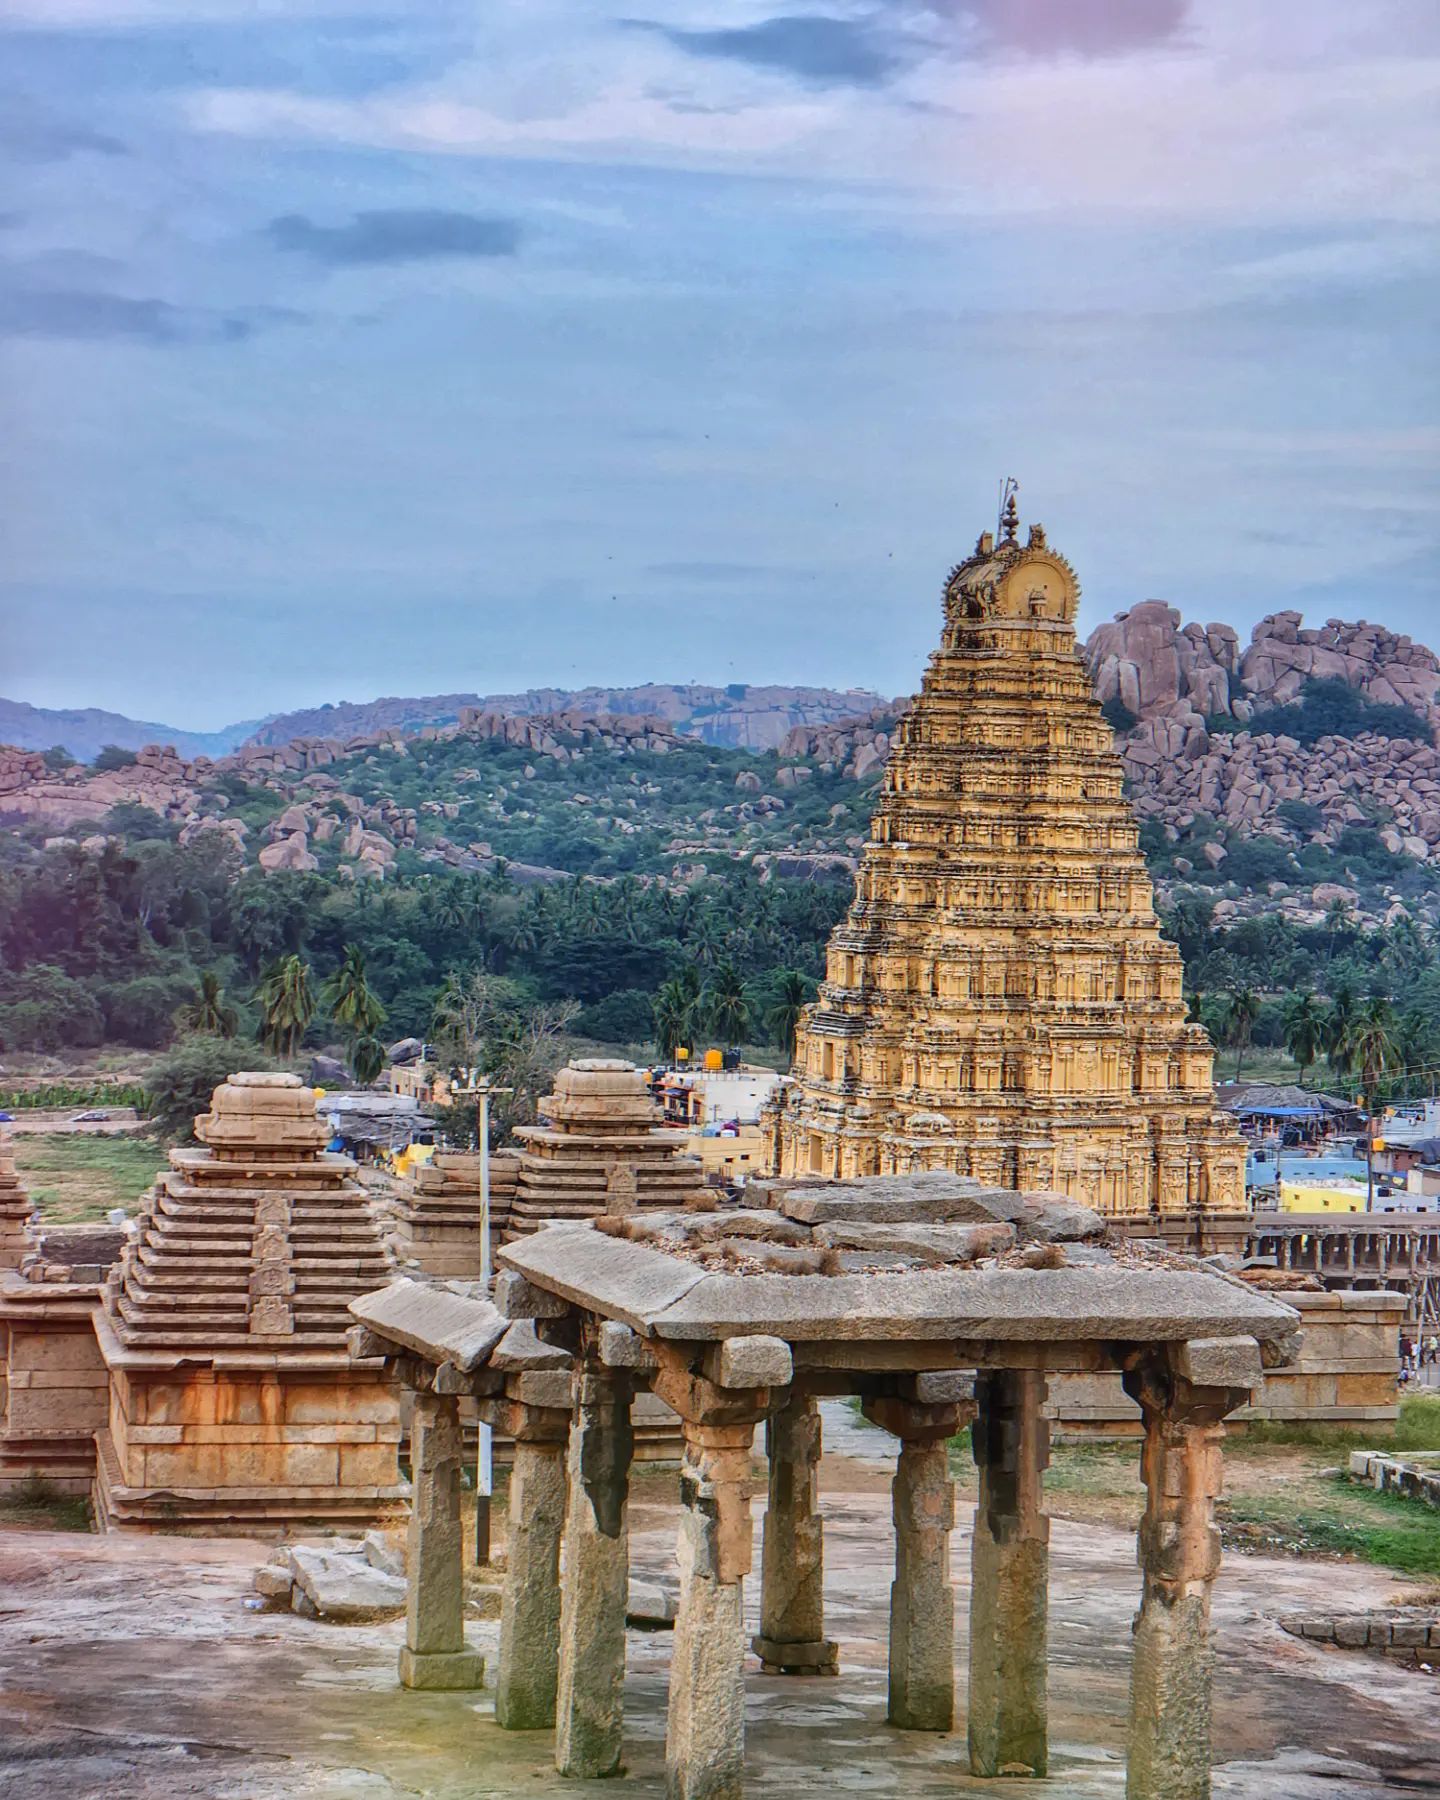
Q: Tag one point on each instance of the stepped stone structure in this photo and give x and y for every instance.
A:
(599, 1149)
(52, 1380)
(437, 1212)
(233, 1395)
(998, 1001)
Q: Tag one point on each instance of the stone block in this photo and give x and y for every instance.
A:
(650, 1606)
(442, 1671)
(945, 1387)
(518, 1298)
(751, 1362)
(520, 1351)
(621, 1348)
(1220, 1362)
(1351, 1634)
(542, 1387)
(344, 1588)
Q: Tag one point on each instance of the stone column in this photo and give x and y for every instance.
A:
(922, 1602)
(1009, 1577)
(434, 1653)
(589, 1710)
(530, 1615)
(792, 1637)
(1179, 1550)
(705, 1728)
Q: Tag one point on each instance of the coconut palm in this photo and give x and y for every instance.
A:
(1306, 1026)
(1339, 1029)
(1374, 1046)
(726, 1006)
(676, 1008)
(287, 1005)
(354, 1005)
(367, 1058)
(208, 1010)
(1242, 1009)
(791, 992)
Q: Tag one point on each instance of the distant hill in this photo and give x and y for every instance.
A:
(738, 716)
(84, 731)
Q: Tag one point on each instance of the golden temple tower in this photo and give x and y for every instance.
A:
(999, 1000)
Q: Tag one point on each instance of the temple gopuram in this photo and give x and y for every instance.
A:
(999, 1001)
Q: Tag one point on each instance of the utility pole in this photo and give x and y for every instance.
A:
(482, 1088)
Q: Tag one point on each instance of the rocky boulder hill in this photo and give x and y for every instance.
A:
(737, 717)
(1182, 684)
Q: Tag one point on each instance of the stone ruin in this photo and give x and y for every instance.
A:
(437, 1212)
(234, 1402)
(600, 1148)
(935, 1299)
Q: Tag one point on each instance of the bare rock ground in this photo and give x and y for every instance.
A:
(131, 1670)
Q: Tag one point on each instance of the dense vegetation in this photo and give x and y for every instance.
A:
(1329, 707)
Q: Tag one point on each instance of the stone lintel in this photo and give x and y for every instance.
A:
(450, 1380)
(1218, 1362)
(914, 1422)
(622, 1348)
(524, 1423)
(880, 1355)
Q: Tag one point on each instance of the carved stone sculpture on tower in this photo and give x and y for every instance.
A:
(999, 1000)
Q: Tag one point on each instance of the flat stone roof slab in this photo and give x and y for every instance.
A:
(667, 1296)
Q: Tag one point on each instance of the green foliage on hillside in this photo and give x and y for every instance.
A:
(1329, 707)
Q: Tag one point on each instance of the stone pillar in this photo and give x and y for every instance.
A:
(1009, 1577)
(792, 1637)
(922, 1602)
(530, 1616)
(434, 1653)
(589, 1710)
(1179, 1549)
(705, 1728)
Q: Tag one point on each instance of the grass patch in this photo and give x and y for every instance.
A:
(1337, 1518)
(36, 1503)
(75, 1179)
(1418, 1428)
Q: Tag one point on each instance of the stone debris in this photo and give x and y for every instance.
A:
(335, 1580)
(650, 1606)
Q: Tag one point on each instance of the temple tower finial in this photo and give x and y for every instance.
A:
(1009, 510)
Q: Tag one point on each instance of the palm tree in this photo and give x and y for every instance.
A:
(208, 1010)
(367, 1058)
(676, 1008)
(792, 991)
(1306, 1026)
(354, 1005)
(1339, 1029)
(726, 1006)
(1338, 921)
(1373, 1053)
(1241, 1012)
(287, 1005)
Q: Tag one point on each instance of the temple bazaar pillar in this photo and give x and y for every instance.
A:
(705, 1725)
(1179, 1553)
(589, 1711)
(528, 1670)
(1010, 1566)
(720, 1397)
(922, 1602)
(434, 1653)
(792, 1637)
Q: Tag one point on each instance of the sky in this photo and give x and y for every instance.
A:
(350, 349)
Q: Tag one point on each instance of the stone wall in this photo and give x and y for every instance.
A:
(1346, 1374)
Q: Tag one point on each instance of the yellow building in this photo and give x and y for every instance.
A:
(999, 1000)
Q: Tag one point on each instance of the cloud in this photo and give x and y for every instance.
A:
(30, 136)
(1089, 28)
(823, 51)
(83, 315)
(399, 236)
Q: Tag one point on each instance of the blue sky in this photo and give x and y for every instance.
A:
(350, 350)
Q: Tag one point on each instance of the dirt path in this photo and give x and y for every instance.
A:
(130, 1670)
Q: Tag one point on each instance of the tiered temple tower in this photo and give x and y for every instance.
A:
(600, 1148)
(233, 1395)
(999, 1000)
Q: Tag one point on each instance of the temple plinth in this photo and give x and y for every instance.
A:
(999, 1002)
(599, 1148)
(233, 1395)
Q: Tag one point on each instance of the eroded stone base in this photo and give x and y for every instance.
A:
(442, 1671)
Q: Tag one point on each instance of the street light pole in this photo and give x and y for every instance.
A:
(482, 1088)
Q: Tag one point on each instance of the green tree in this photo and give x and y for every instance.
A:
(1373, 1046)
(726, 1006)
(181, 1082)
(1339, 1029)
(354, 1005)
(1242, 1009)
(791, 991)
(113, 757)
(287, 1005)
(208, 1011)
(1305, 1030)
(677, 1011)
(367, 1058)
